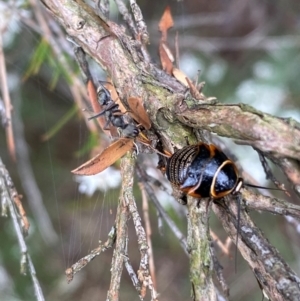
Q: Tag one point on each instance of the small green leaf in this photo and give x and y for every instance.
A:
(40, 55)
(60, 123)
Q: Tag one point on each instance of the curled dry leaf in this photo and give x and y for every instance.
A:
(194, 92)
(180, 76)
(138, 112)
(166, 57)
(109, 156)
(165, 23)
(114, 95)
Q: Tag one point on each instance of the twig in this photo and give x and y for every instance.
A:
(127, 17)
(81, 263)
(130, 270)
(224, 247)
(251, 127)
(143, 272)
(9, 193)
(269, 173)
(140, 22)
(91, 88)
(133, 29)
(275, 276)
(179, 235)
(120, 249)
(149, 233)
(103, 6)
(219, 271)
(264, 203)
(7, 102)
(290, 167)
(10, 196)
(201, 264)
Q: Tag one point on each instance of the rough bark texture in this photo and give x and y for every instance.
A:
(201, 265)
(271, 271)
(174, 114)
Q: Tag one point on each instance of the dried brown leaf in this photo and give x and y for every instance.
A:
(180, 76)
(194, 92)
(115, 97)
(138, 113)
(109, 156)
(166, 58)
(165, 23)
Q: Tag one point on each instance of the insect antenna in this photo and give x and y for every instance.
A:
(262, 187)
(109, 107)
(239, 199)
(237, 229)
(153, 148)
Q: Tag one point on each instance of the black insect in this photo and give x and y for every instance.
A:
(202, 170)
(113, 114)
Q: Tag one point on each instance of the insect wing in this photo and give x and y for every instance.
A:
(138, 112)
(109, 156)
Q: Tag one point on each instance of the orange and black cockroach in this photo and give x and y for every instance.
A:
(202, 170)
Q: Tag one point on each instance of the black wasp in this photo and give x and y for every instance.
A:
(113, 114)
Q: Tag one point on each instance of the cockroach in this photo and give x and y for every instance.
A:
(202, 170)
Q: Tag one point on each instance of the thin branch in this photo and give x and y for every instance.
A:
(121, 239)
(130, 270)
(219, 272)
(257, 201)
(8, 196)
(140, 22)
(127, 17)
(269, 173)
(201, 264)
(149, 233)
(7, 102)
(127, 167)
(274, 275)
(81, 263)
(179, 235)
